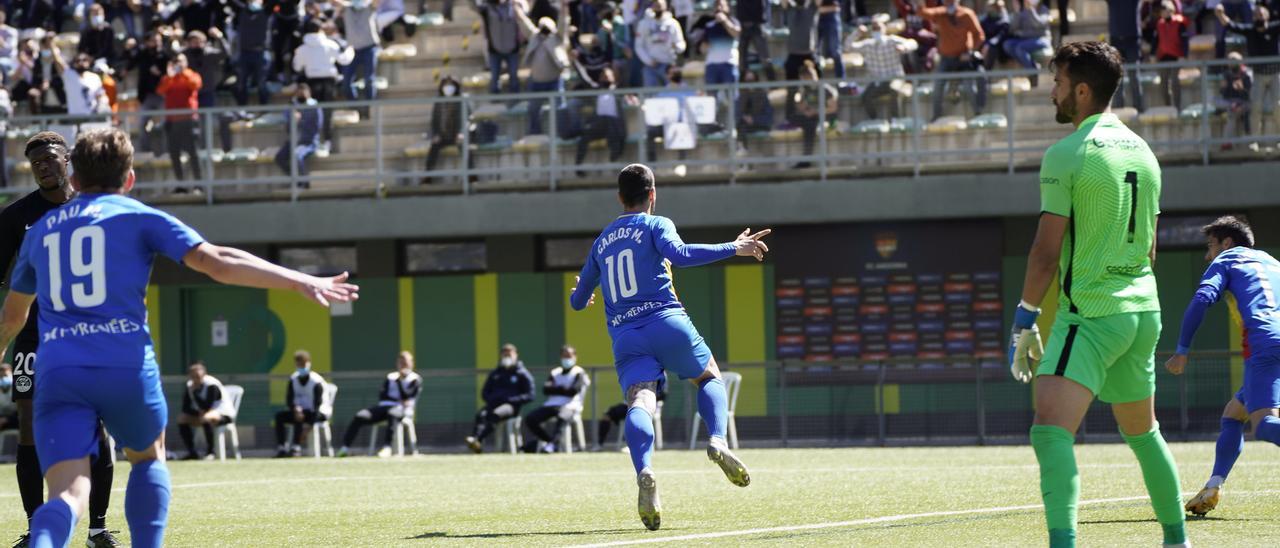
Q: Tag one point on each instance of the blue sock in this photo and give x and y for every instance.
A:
(1268, 430)
(639, 433)
(1230, 444)
(713, 405)
(52, 524)
(146, 503)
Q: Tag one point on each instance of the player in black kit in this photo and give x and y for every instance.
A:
(49, 156)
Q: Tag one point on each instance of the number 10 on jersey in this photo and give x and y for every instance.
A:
(93, 267)
(622, 275)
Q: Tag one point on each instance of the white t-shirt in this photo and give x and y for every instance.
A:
(85, 94)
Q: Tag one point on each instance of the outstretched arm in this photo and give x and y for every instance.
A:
(687, 255)
(1209, 292)
(229, 265)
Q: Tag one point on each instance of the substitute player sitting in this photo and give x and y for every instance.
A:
(650, 329)
(304, 405)
(1251, 276)
(89, 263)
(1100, 193)
(397, 399)
(203, 405)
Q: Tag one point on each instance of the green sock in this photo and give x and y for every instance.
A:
(1059, 481)
(1160, 474)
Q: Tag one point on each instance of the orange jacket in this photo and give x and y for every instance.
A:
(957, 34)
(181, 92)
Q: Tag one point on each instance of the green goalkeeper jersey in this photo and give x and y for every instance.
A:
(1105, 180)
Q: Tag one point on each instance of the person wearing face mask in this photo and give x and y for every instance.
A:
(396, 399)
(547, 61)
(309, 121)
(508, 387)
(361, 25)
(959, 38)
(446, 125)
(253, 31)
(304, 405)
(85, 95)
(659, 40)
(1262, 39)
(97, 38)
(8, 409)
(563, 389)
(882, 57)
(180, 88)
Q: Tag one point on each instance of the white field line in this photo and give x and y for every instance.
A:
(872, 521)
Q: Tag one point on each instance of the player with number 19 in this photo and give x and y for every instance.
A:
(1100, 193)
(650, 329)
(88, 263)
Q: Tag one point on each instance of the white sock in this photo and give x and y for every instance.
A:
(93, 531)
(1215, 481)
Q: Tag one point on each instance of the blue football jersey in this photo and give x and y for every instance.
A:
(633, 256)
(1252, 277)
(88, 263)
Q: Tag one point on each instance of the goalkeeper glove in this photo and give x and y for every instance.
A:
(1025, 348)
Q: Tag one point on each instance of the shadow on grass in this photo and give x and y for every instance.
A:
(1152, 520)
(445, 535)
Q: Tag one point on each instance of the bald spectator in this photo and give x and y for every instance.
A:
(959, 38)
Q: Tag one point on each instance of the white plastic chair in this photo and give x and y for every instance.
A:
(405, 426)
(511, 434)
(732, 384)
(657, 430)
(233, 393)
(568, 429)
(321, 428)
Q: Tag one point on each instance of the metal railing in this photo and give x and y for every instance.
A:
(388, 145)
(784, 404)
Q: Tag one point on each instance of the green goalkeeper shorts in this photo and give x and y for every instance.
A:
(1113, 356)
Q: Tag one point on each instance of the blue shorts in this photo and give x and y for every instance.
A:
(670, 343)
(1261, 388)
(70, 401)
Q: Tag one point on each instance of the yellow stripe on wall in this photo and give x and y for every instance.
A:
(153, 317)
(486, 307)
(892, 399)
(745, 328)
(306, 326)
(586, 331)
(1235, 332)
(405, 301)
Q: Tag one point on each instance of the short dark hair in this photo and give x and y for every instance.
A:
(1094, 64)
(634, 183)
(102, 158)
(311, 27)
(43, 139)
(1228, 226)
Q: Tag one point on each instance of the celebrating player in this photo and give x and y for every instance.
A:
(88, 263)
(47, 151)
(651, 331)
(1250, 276)
(1099, 194)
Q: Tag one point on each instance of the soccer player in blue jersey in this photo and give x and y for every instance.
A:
(88, 264)
(1251, 277)
(650, 329)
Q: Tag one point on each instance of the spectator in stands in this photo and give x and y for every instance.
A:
(1170, 27)
(755, 112)
(194, 15)
(508, 387)
(396, 399)
(547, 60)
(181, 88)
(446, 125)
(1028, 34)
(361, 27)
(1064, 22)
(150, 64)
(391, 12)
(753, 14)
(124, 11)
(98, 39)
(609, 121)
(829, 36)
(659, 40)
(995, 26)
(590, 57)
(253, 31)
(563, 389)
(1126, 35)
(617, 414)
(882, 55)
(803, 34)
(1237, 10)
(203, 405)
(8, 409)
(1262, 39)
(683, 11)
(919, 29)
(719, 34)
(1237, 82)
(959, 37)
(285, 38)
(39, 77)
(45, 14)
(317, 60)
(806, 114)
(502, 35)
(616, 36)
(209, 60)
(8, 48)
(303, 405)
(309, 119)
(85, 96)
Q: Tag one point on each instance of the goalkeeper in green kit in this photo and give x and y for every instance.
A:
(1100, 194)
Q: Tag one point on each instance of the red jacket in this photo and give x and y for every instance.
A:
(180, 92)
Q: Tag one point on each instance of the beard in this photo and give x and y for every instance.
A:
(1066, 110)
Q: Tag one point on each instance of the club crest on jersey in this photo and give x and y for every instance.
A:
(22, 384)
(886, 244)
